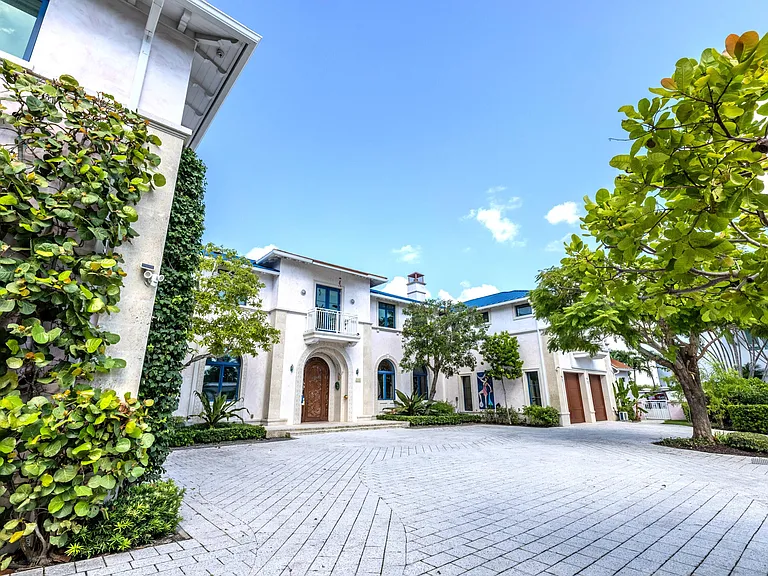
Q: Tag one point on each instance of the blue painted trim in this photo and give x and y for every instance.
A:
(35, 30)
(403, 298)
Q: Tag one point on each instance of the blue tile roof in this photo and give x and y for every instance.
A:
(497, 298)
(380, 293)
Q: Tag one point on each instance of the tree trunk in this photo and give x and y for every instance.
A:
(686, 369)
(433, 385)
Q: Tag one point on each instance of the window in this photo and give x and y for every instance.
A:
(534, 390)
(21, 21)
(386, 380)
(523, 310)
(466, 386)
(420, 382)
(487, 317)
(386, 315)
(222, 376)
(327, 297)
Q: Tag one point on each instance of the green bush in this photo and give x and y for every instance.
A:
(441, 408)
(502, 416)
(749, 418)
(438, 420)
(73, 165)
(725, 388)
(138, 516)
(545, 416)
(60, 460)
(201, 434)
(745, 441)
(689, 443)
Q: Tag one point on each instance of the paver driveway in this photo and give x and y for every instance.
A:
(476, 500)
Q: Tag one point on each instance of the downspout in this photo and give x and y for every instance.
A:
(146, 46)
(543, 366)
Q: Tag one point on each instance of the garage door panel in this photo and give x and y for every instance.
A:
(598, 398)
(573, 395)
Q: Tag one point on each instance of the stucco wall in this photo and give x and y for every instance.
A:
(98, 42)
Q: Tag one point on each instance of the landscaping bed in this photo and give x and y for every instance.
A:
(531, 416)
(734, 444)
(204, 434)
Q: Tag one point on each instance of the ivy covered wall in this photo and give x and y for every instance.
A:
(167, 343)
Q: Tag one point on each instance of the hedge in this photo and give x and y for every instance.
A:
(745, 418)
(198, 434)
(441, 420)
(745, 441)
(542, 416)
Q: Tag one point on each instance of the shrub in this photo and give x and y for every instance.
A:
(507, 416)
(413, 405)
(546, 416)
(218, 409)
(442, 408)
(202, 434)
(726, 387)
(689, 443)
(72, 168)
(138, 516)
(745, 441)
(60, 459)
(444, 420)
(749, 418)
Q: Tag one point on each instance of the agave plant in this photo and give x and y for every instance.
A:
(413, 405)
(218, 409)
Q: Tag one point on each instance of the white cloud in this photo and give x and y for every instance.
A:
(443, 295)
(494, 216)
(465, 284)
(408, 253)
(399, 287)
(566, 212)
(469, 292)
(557, 245)
(257, 252)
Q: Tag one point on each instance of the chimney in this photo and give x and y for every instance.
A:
(417, 287)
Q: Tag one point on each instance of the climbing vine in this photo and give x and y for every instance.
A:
(72, 167)
(174, 302)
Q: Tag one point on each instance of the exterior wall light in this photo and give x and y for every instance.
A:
(291, 368)
(357, 371)
(303, 292)
(352, 301)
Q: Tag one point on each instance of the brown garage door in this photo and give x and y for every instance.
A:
(573, 393)
(598, 399)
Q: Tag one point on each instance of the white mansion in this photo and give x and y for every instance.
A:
(340, 349)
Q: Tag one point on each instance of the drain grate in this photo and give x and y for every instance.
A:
(760, 461)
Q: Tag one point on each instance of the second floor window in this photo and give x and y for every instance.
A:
(486, 317)
(386, 315)
(523, 310)
(21, 21)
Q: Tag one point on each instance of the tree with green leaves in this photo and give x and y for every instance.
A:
(227, 317)
(441, 335)
(501, 354)
(679, 246)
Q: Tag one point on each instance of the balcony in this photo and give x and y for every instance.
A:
(331, 326)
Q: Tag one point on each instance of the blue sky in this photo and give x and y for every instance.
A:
(437, 136)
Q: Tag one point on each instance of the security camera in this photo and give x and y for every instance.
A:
(148, 274)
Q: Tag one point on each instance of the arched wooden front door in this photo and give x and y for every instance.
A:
(317, 377)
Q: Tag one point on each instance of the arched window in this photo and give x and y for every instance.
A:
(386, 380)
(420, 381)
(222, 376)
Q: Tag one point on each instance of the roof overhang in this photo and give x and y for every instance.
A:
(392, 297)
(223, 48)
(504, 303)
(271, 259)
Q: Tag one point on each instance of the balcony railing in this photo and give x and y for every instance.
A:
(331, 322)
